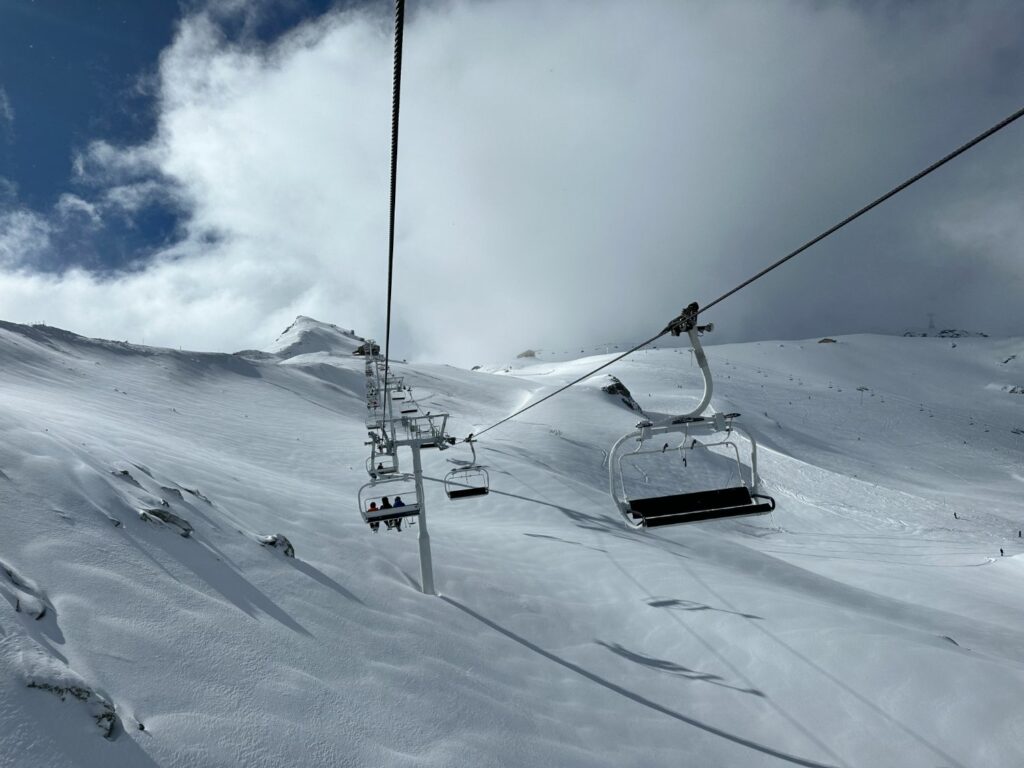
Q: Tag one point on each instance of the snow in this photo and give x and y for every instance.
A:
(860, 624)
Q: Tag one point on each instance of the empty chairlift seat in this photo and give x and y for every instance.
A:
(688, 482)
(466, 482)
(714, 478)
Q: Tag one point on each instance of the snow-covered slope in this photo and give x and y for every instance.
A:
(860, 625)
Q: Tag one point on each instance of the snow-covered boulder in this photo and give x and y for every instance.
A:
(165, 516)
(278, 541)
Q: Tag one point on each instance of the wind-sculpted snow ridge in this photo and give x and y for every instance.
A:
(871, 620)
(29, 659)
(306, 335)
(25, 596)
(38, 670)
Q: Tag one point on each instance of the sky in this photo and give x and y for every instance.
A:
(570, 173)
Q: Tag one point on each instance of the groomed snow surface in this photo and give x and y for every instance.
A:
(144, 620)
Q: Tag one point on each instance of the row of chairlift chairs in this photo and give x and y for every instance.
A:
(707, 457)
(391, 497)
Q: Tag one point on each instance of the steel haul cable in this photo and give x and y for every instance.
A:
(396, 94)
(813, 241)
(878, 201)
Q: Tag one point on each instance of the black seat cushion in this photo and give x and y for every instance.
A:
(462, 493)
(703, 505)
(691, 502)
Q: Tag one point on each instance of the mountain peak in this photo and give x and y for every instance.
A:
(306, 335)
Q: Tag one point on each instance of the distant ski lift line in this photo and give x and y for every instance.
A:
(813, 241)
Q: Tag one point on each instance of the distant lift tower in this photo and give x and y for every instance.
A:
(392, 497)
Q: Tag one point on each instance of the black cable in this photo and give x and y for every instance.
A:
(396, 93)
(548, 396)
(894, 191)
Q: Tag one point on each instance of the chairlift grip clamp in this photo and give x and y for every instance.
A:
(687, 320)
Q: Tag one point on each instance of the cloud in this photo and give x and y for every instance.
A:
(568, 173)
(8, 192)
(70, 206)
(103, 163)
(24, 235)
(6, 114)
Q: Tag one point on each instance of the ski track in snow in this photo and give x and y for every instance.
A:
(860, 624)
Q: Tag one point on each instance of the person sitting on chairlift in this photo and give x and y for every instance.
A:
(385, 503)
(397, 522)
(380, 467)
(374, 526)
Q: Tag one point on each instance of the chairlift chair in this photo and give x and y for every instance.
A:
(707, 445)
(467, 481)
(380, 465)
(430, 429)
(372, 495)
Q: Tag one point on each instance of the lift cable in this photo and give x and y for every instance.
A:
(572, 383)
(892, 192)
(396, 93)
(668, 329)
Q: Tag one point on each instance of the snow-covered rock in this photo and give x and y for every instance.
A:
(278, 541)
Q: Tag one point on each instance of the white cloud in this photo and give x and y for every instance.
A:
(6, 113)
(133, 197)
(8, 191)
(103, 163)
(568, 171)
(24, 235)
(69, 206)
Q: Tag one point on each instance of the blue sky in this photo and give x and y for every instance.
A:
(75, 71)
(72, 72)
(571, 173)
